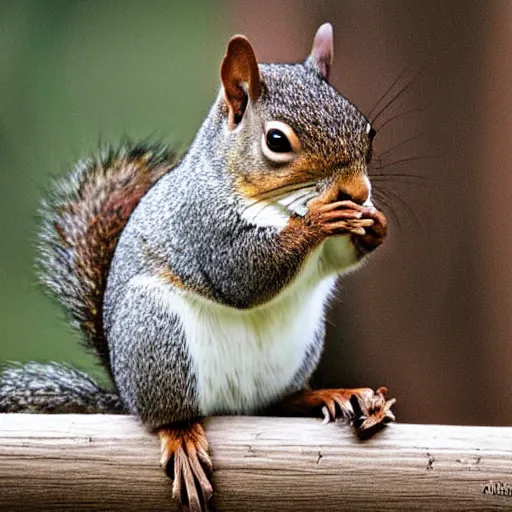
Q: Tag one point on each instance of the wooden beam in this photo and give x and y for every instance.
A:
(73, 462)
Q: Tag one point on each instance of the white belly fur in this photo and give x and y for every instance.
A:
(245, 358)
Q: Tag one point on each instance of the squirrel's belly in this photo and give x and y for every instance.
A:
(245, 359)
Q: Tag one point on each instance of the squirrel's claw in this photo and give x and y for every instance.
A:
(371, 408)
(363, 408)
(186, 460)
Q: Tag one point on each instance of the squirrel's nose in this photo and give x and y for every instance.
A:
(356, 189)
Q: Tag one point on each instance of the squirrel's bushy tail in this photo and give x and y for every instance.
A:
(82, 221)
(53, 388)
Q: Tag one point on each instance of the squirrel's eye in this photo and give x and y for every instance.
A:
(277, 141)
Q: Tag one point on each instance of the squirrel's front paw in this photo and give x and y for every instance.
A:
(185, 458)
(338, 218)
(373, 235)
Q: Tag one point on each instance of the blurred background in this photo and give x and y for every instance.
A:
(430, 315)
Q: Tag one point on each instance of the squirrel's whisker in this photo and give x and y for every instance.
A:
(397, 116)
(278, 192)
(385, 177)
(399, 93)
(388, 90)
(403, 161)
(398, 202)
(284, 189)
(392, 149)
(382, 201)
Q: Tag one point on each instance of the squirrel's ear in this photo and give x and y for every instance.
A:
(322, 52)
(240, 78)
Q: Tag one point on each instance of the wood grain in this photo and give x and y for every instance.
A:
(95, 462)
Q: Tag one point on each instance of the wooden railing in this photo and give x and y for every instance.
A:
(72, 462)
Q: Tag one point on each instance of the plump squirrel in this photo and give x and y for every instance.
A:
(202, 284)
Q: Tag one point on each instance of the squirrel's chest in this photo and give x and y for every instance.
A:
(244, 359)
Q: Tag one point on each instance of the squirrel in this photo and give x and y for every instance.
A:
(202, 283)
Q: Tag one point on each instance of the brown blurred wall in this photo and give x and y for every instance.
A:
(430, 314)
(493, 197)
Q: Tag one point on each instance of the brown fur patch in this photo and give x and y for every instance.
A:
(168, 276)
(257, 184)
(94, 241)
(298, 237)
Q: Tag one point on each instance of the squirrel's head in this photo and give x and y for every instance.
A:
(287, 128)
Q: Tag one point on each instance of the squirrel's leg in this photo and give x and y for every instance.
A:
(185, 457)
(153, 371)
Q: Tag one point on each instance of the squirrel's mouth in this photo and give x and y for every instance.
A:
(353, 187)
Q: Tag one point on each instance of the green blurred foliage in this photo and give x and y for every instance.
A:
(75, 74)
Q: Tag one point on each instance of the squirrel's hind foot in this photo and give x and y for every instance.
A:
(185, 459)
(371, 408)
(363, 408)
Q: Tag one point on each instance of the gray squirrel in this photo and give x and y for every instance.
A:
(202, 284)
